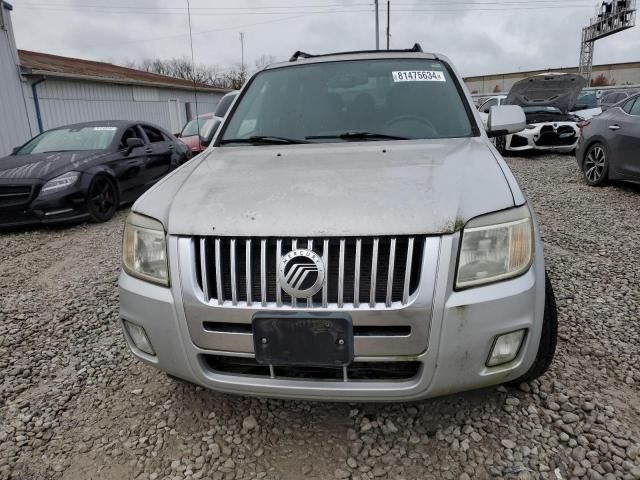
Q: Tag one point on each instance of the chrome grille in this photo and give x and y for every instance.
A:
(359, 272)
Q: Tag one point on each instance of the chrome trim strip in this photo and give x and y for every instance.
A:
(310, 299)
(232, 268)
(407, 272)
(278, 258)
(356, 278)
(392, 260)
(203, 269)
(341, 275)
(219, 273)
(263, 273)
(294, 300)
(248, 269)
(374, 273)
(325, 259)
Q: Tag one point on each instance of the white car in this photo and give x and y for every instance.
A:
(547, 100)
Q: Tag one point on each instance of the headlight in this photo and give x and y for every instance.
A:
(144, 252)
(60, 183)
(495, 247)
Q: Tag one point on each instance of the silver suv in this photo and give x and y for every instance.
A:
(350, 234)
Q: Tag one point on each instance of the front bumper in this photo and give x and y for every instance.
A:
(67, 206)
(457, 335)
(560, 137)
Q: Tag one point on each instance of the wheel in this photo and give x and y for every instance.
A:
(548, 339)
(596, 166)
(103, 199)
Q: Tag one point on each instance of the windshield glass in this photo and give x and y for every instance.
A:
(586, 100)
(69, 139)
(408, 99)
(191, 128)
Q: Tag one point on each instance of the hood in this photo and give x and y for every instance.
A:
(372, 188)
(558, 90)
(44, 166)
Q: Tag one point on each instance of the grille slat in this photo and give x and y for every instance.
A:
(13, 195)
(243, 270)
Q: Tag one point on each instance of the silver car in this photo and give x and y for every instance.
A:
(609, 145)
(351, 234)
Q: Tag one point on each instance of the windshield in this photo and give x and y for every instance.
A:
(586, 100)
(191, 128)
(69, 139)
(341, 101)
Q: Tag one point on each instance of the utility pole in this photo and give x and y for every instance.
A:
(377, 28)
(388, 21)
(242, 50)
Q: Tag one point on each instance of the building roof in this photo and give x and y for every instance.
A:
(559, 69)
(37, 63)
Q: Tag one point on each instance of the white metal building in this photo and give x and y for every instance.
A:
(42, 91)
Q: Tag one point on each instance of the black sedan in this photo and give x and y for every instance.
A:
(609, 146)
(84, 171)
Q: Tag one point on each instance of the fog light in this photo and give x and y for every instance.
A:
(139, 337)
(505, 348)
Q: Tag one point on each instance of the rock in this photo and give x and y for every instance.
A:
(570, 418)
(249, 423)
(339, 473)
(508, 444)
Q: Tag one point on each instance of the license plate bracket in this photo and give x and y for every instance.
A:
(303, 339)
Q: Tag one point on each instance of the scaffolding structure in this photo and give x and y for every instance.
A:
(611, 17)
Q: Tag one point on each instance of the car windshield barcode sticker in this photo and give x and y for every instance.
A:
(418, 76)
(104, 129)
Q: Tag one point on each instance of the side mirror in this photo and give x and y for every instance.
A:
(14, 150)
(133, 143)
(206, 141)
(505, 119)
(177, 135)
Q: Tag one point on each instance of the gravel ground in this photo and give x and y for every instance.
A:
(75, 405)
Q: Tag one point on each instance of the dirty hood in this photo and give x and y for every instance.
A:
(368, 188)
(554, 90)
(44, 166)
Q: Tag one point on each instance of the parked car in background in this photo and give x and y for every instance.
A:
(611, 98)
(198, 133)
(609, 146)
(586, 105)
(489, 102)
(84, 171)
(547, 101)
(255, 269)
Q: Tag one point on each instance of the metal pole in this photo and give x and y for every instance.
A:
(242, 50)
(377, 28)
(388, 21)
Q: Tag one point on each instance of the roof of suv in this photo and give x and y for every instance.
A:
(303, 58)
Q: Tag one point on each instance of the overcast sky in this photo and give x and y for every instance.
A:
(480, 36)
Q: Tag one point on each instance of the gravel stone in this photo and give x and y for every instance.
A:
(73, 401)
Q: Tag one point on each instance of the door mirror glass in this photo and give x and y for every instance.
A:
(505, 119)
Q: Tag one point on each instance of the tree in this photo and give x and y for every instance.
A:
(264, 60)
(602, 81)
(182, 68)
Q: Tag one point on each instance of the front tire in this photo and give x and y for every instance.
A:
(501, 144)
(548, 339)
(102, 199)
(595, 168)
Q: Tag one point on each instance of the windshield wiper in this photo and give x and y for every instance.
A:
(358, 136)
(263, 140)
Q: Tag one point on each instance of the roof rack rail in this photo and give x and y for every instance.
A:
(299, 54)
